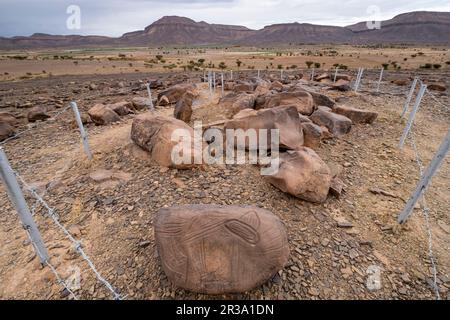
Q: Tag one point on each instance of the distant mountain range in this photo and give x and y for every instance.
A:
(409, 28)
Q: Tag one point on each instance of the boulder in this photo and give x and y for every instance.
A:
(101, 114)
(183, 108)
(303, 174)
(286, 120)
(437, 87)
(234, 102)
(322, 100)
(140, 103)
(322, 76)
(220, 249)
(277, 86)
(9, 119)
(6, 130)
(174, 93)
(153, 133)
(341, 85)
(37, 114)
(302, 100)
(312, 135)
(163, 101)
(156, 84)
(345, 77)
(337, 124)
(401, 82)
(244, 87)
(121, 108)
(228, 86)
(356, 115)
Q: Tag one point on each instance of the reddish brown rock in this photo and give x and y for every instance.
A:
(154, 134)
(437, 87)
(341, 85)
(183, 108)
(286, 120)
(37, 114)
(174, 93)
(9, 119)
(312, 134)
(322, 76)
(234, 102)
(121, 108)
(6, 130)
(401, 82)
(277, 86)
(220, 249)
(337, 124)
(140, 103)
(244, 87)
(101, 114)
(356, 115)
(302, 100)
(303, 174)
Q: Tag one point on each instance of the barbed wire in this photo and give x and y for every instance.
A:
(59, 279)
(32, 127)
(426, 211)
(77, 245)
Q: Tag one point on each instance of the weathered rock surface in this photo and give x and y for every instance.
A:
(154, 134)
(312, 134)
(286, 120)
(174, 93)
(37, 114)
(6, 130)
(183, 108)
(101, 114)
(303, 174)
(437, 87)
(220, 249)
(341, 85)
(236, 102)
(122, 108)
(356, 115)
(337, 124)
(8, 118)
(140, 103)
(302, 100)
(244, 87)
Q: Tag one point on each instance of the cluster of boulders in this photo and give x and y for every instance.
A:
(221, 249)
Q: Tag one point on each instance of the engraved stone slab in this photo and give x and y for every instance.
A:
(220, 249)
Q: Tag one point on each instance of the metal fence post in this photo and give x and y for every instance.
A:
(412, 115)
(214, 81)
(222, 82)
(312, 74)
(380, 79)
(150, 97)
(259, 73)
(231, 74)
(18, 200)
(408, 99)
(87, 150)
(358, 79)
(335, 75)
(426, 178)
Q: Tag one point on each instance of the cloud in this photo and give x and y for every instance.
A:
(115, 17)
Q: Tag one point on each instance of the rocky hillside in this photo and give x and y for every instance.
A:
(415, 27)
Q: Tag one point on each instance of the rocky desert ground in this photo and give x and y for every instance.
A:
(110, 203)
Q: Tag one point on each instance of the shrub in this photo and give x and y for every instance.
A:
(317, 65)
(309, 64)
(437, 66)
(222, 65)
(385, 66)
(448, 62)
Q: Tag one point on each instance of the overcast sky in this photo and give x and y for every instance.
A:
(115, 17)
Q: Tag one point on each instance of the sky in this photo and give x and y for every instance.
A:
(115, 17)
